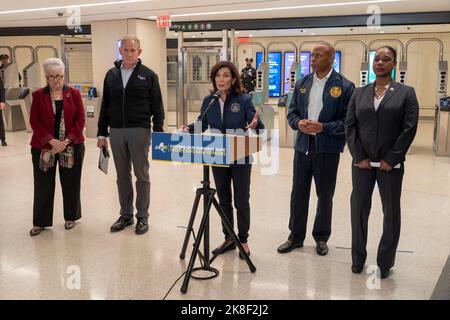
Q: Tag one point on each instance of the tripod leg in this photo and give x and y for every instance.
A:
(191, 223)
(201, 231)
(233, 235)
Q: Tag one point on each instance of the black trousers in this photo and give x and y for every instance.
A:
(390, 187)
(323, 167)
(44, 189)
(2, 126)
(240, 176)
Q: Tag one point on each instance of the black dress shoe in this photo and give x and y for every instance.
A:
(226, 246)
(36, 230)
(322, 248)
(4, 144)
(142, 226)
(357, 269)
(289, 245)
(385, 273)
(121, 224)
(69, 225)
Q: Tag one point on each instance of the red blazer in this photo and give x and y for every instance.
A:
(42, 118)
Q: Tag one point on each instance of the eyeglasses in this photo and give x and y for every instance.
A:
(57, 77)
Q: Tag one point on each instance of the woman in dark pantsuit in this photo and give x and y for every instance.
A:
(57, 119)
(234, 111)
(380, 127)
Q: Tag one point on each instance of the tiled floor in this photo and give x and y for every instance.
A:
(124, 265)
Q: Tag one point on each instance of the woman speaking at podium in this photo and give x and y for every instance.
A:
(232, 109)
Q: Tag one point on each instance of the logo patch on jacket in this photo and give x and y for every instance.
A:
(235, 107)
(335, 92)
(302, 91)
(142, 78)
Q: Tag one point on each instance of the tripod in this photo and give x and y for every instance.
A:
(209, 199)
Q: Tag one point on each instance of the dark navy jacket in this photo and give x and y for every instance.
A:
(336, 96)
(238, 111)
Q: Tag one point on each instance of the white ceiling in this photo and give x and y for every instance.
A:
(200, 10)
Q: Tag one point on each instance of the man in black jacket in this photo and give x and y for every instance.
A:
(2, 106)
(131, 101)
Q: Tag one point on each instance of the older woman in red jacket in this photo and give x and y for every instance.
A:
(57, 119)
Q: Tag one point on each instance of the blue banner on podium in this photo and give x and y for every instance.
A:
(191, 148)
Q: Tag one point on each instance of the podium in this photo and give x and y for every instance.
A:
(208, 150)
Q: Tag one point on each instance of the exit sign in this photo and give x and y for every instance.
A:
(163, 22)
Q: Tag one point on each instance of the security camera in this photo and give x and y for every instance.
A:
(59, 13)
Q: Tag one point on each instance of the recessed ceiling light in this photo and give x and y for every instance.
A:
(339, 4)
(312, 33)
(84, 5)
(194, 37)
(381, 31)
(250, 35)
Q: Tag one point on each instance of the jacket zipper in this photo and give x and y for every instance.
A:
(123, 107)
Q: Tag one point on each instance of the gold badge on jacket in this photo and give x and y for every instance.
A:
(335, 92)
(302, 91)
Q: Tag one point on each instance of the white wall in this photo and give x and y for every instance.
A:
(153, 43)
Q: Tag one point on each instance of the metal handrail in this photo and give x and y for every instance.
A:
(441, 46)
(364, 57)
(284, 42)
(402, 54)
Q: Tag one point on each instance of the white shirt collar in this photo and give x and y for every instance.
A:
(123, 68)
(324, 78)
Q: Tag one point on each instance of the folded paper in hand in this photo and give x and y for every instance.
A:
(103, 160)
(377, 165)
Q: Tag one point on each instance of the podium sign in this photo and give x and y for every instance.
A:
(205, 149)
(208, 150)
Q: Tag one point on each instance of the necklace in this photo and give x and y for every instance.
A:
(379, 94)
(56, 95)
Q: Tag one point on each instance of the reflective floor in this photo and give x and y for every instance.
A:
(88, 262)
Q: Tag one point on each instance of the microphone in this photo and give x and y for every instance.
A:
(214, 98)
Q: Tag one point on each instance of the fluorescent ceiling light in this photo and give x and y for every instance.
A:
(96, 4)
(338, 4)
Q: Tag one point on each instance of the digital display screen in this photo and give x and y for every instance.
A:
(274, 74)
(289, 58)
(258, 59)
(118, 55)
(305, 66)
(305, 62)
(372, 75)
(337, 61)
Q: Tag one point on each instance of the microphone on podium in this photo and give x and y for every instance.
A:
(215, 97)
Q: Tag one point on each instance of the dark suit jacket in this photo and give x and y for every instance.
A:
(387, 133)
(42, 118)
(332, 139)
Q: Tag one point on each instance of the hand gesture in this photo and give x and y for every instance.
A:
(254, 123)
